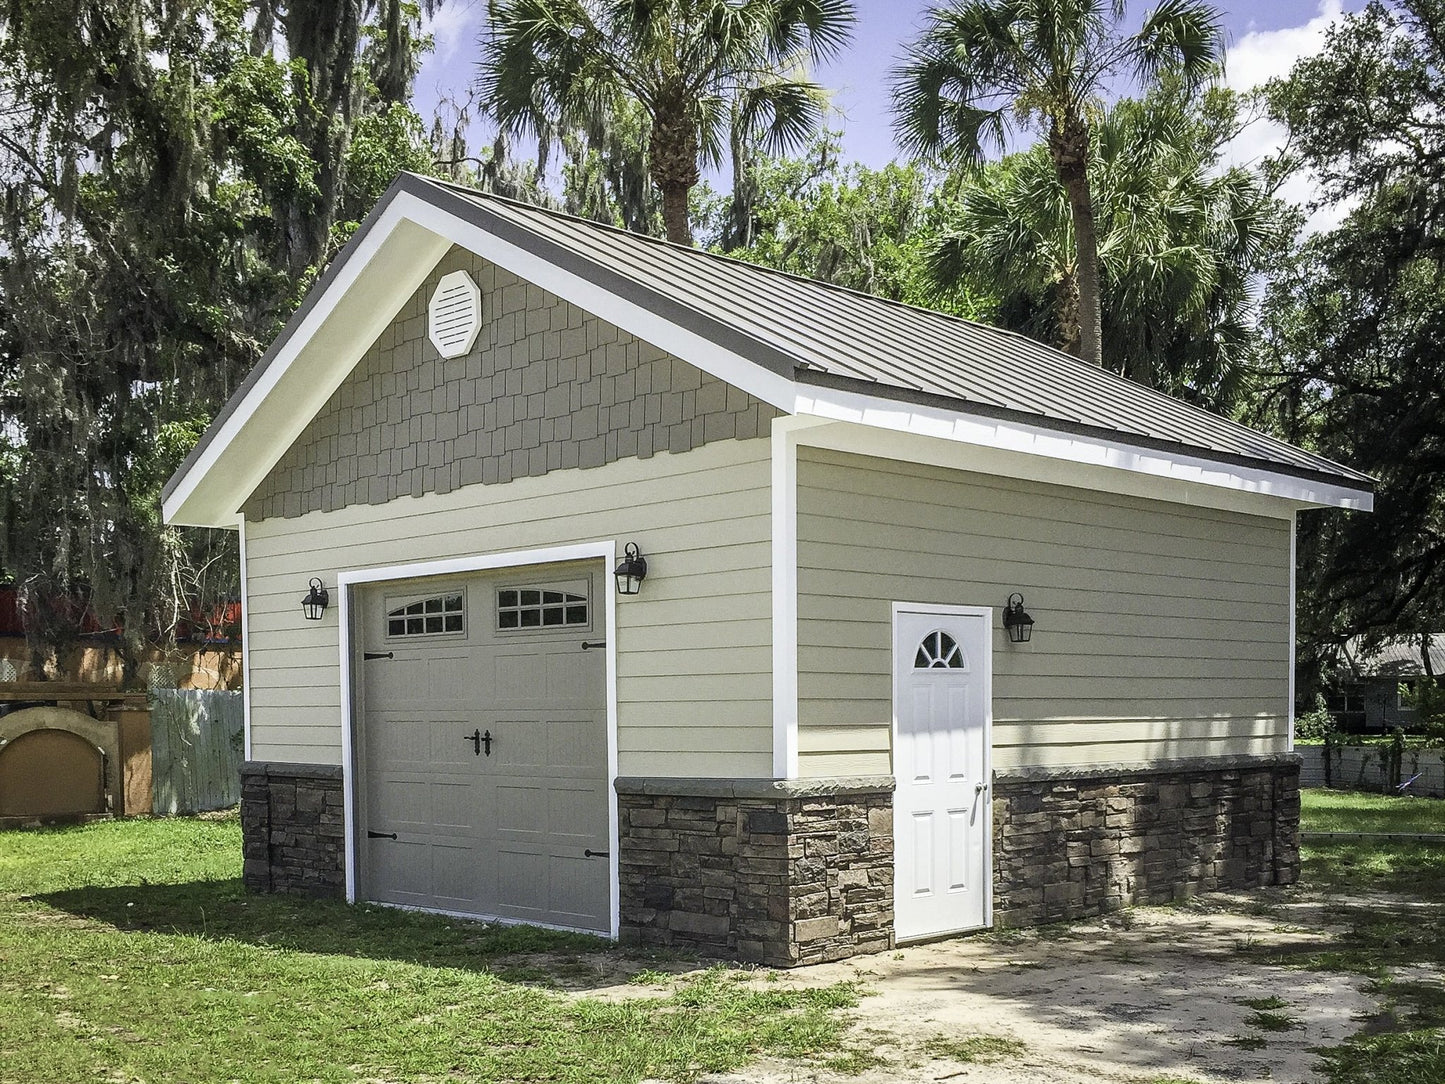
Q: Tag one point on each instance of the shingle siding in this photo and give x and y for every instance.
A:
(546, 387)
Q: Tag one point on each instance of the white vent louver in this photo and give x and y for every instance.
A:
(455, 314)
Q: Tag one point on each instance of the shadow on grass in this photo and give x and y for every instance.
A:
(222, 910)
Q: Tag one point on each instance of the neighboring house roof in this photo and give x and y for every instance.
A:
(1394, 657)
(804, 346)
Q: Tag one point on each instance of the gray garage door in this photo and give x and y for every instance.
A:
(483, 746)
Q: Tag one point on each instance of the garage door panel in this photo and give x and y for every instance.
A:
(576, 886)
(571, 816)
(504, 829)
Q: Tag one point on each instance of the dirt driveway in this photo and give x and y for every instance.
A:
(1154, 996)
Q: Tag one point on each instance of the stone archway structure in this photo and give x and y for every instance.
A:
(46, 747)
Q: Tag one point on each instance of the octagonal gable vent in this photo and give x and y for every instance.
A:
(455, 314)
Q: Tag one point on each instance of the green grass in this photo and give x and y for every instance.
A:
(1404, 1043)
(1347, 811)
(976, 1049)
(129, 951)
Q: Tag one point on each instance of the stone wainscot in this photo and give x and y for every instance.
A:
(769, 871)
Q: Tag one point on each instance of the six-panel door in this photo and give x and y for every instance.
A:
(483, 746)
(941, 810)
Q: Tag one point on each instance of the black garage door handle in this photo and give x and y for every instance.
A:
(596, 854)
(380, 835)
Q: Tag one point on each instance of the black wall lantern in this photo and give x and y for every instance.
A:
(631, 570)
(316, 601)
(1018, 624)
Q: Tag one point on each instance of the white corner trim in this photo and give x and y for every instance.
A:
(347, 581)
(785, 437)
(245, 643)
(1293, 604)
(1007, 436)
(348, 743)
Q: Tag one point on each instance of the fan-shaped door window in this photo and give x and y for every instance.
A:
(938, 650)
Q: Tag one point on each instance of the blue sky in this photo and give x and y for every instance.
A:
(1264, 40)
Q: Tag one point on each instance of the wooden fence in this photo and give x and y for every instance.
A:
(196, 749)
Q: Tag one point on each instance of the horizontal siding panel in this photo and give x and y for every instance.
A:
(833, 602)
(699, 765)
(1159, 626)
(1132, 574)
(690, 498)
(1078, 633)
(695, 647)
(1065, 756)
(949, 493)
(823, 662)
(831, 765)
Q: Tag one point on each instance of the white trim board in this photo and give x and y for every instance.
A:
(409, 237)
(1016, 449)
(605, 551)
(787, 432)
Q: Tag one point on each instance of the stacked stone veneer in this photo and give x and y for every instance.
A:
(293, 834)
(774, 872)
(1077, 843)
(546, 387)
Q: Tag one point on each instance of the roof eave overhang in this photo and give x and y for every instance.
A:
(824, 395)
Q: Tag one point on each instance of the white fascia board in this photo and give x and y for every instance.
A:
(369, 289)
(693, 348)
(925, 434)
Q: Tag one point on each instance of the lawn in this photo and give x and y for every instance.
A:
(129, 952)
(1399, 944)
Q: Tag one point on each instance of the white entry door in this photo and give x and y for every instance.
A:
(941, 810)
(483, 747)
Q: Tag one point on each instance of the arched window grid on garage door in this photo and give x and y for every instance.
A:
(938, 650)
(437, 615)
(543, 606)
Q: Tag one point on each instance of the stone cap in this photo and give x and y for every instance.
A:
(278, 770)
(1149, 767)
(753, 788)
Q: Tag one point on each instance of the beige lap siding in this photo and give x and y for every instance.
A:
(1162, 630)
(694, 650)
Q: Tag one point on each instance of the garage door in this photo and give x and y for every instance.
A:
(483, 746)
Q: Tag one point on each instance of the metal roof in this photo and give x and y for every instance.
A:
(1395, 656)
(821, 334)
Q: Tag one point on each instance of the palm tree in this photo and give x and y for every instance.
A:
(983, 68)
(698, 68)
(1180, 242)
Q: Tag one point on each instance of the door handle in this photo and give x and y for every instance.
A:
(380, 835)
(586, 644)
(596, 854)
(377, 655)
(479, 741)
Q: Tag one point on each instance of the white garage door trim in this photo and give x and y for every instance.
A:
(482, 562)
(985, 612)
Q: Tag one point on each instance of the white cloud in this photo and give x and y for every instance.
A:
(454, 29)
(1256, 58)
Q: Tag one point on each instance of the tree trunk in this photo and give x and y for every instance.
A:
(672, 149)
(1066, 312)
(674, 213)
(1069, 147)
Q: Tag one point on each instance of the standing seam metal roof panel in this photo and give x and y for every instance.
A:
(828, 329)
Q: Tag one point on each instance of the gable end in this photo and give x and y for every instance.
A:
(545, 387)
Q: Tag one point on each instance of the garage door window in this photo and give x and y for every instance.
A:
(542, 607)
(435, 616)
